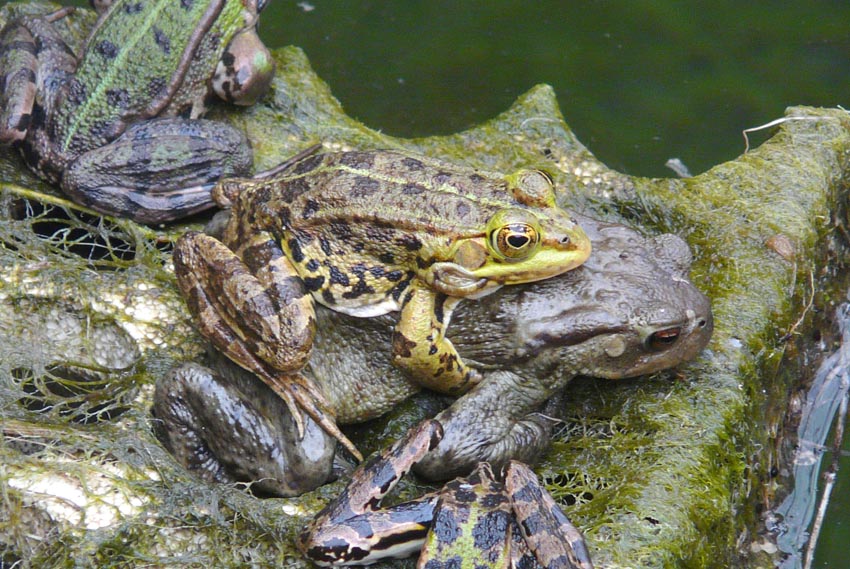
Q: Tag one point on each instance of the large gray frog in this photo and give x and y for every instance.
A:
(116, 127)
(630, 310)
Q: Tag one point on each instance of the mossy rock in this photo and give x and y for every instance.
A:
(658, 472)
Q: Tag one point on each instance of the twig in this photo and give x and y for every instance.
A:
(829, 479)
(774, 123)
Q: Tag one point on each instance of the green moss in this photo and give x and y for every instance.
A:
(659, 472)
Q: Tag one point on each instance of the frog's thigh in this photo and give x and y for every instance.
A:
(236, 428)
(268, 315)
(421, 348)
(158, 170)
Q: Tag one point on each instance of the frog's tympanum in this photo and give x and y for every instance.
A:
(116, 127)
(367, 233)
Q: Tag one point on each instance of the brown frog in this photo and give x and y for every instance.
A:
(630, 310)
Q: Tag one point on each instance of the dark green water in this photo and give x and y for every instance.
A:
(638, 81)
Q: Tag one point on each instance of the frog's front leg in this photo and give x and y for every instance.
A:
(498, 420)
(352, 530)
(158, 170)
(258, 313)
(420, 346)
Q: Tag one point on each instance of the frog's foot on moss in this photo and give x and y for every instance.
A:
(477, 518)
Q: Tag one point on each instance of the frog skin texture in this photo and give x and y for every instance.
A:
(629, 310)
(367, 233)
(118, 127)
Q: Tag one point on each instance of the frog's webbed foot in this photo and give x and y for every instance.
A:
(158, 170)
(256, 330)
(421, 348)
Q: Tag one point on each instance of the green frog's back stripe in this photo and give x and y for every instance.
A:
(107, 64)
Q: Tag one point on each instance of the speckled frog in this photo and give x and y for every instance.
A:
(367, 233)
(116, 128)
(629, 310)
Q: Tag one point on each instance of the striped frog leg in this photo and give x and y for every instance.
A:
(354, 530)
(550, 535)
(258, 315)
(479, 520)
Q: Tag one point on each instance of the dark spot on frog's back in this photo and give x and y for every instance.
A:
(357, 160)
(476, 178)
(295, 250)
(314, 283)
(107, 49)
(409, 242)
(118, 98)
(156, 87)
(441, 178)
(378, 234)
(490, 530)
(340, 230)
(364, 187)
(311, 207)
(308, 164)
(337, 276)
(413, 190)
(463, 209)
(412, 164)
(162, 40)
(76, 92)
(291, 189)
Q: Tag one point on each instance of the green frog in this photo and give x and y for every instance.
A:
(117, 128)
(629, 310)
(366, 233)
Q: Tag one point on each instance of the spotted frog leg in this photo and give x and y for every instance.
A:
(243, 302)
(478, 519)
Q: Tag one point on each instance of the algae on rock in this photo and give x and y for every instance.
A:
(656, 471)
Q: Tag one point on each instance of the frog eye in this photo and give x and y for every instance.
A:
(513, 234)
(662, 339)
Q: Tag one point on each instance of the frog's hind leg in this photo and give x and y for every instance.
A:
(548, 532)
(263, 321)
(353, 529)
(159, 170)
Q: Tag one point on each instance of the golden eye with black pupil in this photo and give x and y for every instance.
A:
(513, 234)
